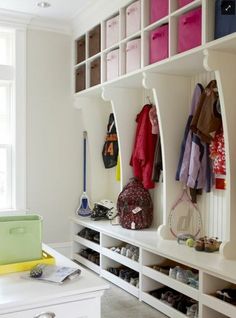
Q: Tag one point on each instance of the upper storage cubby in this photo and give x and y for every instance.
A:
(80, 50)
(94, 44)
(144, 33)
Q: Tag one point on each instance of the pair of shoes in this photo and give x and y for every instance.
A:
(185, 276)
(157, 293)
(90, 235)
(227, 294)
(91, 255)
(128, 250)
(115, 270)
(164, 269)
(193, 282)
(126, 274)
(207, 244)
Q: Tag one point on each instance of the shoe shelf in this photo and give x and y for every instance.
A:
(121, 254)
(211, 296)
(211, 313)
(121, 259)
(148, 285)
(161, 306)
(80, 245)
(120, 283)
(80, 259)
(170, 282)
(163, 264)
(86, 237)
(110, 263)
(87, 243)
(215, 273)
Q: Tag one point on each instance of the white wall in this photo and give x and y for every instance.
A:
(53, 130)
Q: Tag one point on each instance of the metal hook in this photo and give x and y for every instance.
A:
(149, 100)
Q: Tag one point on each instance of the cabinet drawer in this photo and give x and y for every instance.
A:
(89, 308)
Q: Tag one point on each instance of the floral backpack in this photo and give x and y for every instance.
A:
(135, 207)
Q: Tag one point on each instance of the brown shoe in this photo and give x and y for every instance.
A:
(199, 244)
(212, 245)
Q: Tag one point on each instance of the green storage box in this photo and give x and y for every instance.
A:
(20, 238)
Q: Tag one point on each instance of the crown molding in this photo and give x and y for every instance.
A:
(13, 18)
(50, 25)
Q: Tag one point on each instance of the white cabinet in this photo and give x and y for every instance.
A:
(214, 272)
(89, 308)
(26, 298)
(179, 73)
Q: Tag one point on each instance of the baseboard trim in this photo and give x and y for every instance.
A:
(65, 248)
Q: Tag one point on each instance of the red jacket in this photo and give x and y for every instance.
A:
(144, 148)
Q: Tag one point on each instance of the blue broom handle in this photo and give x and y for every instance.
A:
(85, 134)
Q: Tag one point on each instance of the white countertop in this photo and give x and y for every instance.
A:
(17, 292)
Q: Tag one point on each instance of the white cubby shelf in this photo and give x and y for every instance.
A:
(214, 271)
(170, 84)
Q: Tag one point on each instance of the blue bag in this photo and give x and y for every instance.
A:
(225, 18)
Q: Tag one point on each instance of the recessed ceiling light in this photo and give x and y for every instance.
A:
(43, 4)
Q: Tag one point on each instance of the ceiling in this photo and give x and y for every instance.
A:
(60, 9)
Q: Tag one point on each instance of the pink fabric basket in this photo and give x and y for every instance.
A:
(112, 64)
(112, 31)
(159, 46)
(190, 30)
(183, 3)
(158, 9)
(133, 55)
(133, 18)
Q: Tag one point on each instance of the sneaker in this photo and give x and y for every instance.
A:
(129, 253)
(117, 250)
(135, 257)
(173, 272)
(181, 276)
(123, 251)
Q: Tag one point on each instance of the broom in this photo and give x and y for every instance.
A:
(84, 208)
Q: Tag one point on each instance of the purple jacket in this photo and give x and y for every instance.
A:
(194, 163)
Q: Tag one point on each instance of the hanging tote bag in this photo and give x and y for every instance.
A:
(110, 148)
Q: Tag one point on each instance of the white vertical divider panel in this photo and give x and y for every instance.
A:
(212, 205)
(101, 182)
(171, 95)
(126, 104)
(157, 192)
(222, 63)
